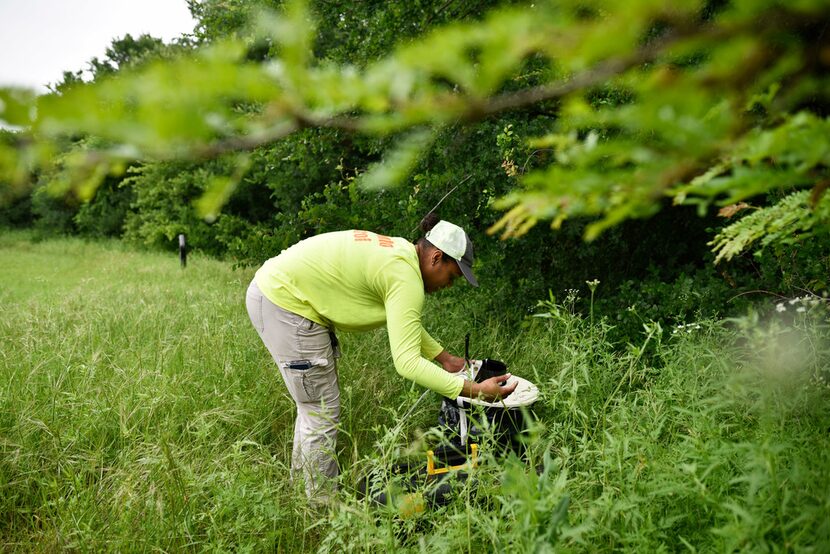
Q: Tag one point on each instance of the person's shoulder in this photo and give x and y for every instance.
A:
(396, 255)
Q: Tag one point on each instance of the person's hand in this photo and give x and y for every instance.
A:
(451, 364)
(490, 389)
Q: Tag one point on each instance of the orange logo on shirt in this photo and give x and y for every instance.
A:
(363, 236)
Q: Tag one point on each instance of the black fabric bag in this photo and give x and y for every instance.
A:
(462, 421)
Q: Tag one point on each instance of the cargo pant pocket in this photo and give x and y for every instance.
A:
(312, 385)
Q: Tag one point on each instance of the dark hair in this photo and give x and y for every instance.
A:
(427, 223)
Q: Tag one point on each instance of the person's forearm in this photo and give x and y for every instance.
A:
(429, 346)
(451, 363)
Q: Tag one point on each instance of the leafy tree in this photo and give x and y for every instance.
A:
(95, 210)
(127, 52)
(634, 106)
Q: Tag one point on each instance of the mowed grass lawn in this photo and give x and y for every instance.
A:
(139, 412)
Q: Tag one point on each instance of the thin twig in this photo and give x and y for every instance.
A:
(527, 161)
(435, 207)
(437, 12)
(754, 291)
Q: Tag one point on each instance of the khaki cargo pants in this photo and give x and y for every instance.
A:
(290, 337)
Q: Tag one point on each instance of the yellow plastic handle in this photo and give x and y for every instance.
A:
(471, 463)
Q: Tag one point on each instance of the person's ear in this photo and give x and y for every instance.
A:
(436, 256)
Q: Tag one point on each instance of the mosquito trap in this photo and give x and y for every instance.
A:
(465, 420)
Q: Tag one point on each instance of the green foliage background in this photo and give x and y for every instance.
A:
(598, 157)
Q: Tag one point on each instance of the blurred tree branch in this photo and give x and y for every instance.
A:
(701, 109)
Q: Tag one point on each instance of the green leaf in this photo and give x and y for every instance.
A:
(398, 163)
(790, 219)
(219, 190)
(17, 106)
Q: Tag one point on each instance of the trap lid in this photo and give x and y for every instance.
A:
(526, 393)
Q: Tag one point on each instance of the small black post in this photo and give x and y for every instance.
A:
(182, 251)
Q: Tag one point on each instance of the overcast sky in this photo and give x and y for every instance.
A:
(40, 39)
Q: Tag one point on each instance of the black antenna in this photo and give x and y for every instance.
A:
(467, 349)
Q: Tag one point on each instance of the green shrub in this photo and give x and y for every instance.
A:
(16, 211)
(53, 215)
(105, 213)
(163, 206)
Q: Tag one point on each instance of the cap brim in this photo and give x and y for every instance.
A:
(468, 272)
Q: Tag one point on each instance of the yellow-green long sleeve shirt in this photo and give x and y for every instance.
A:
(356, 281)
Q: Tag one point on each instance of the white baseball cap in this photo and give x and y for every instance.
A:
(454, 242)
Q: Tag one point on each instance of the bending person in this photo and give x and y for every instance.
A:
(356, 281)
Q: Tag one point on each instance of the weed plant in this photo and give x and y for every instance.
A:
(139, 412)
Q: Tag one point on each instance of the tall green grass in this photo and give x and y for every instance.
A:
(138, 411)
